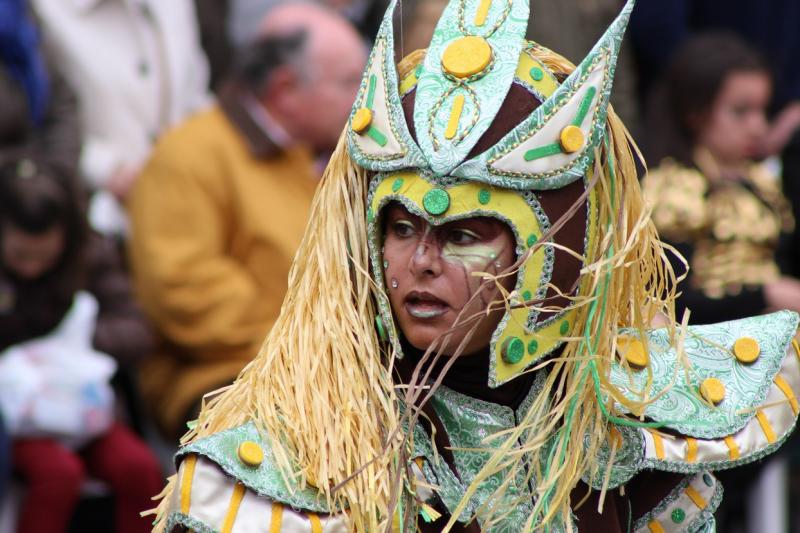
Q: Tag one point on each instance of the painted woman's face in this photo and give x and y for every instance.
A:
(430, 275)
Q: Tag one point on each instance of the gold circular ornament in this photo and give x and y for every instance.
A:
(746, 350)
(250, 453)
(467, 57)
(572, 139)
(713, 390)
(362, 120)
(633, 351)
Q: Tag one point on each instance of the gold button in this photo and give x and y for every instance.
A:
(633, 351)
(362, 120)
(713, 390)
(467, 56)
(250, 453)
(746, 350)
(572, 139)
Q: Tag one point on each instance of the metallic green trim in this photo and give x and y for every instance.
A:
(708, 349)
(191, 523)
(628, 460)
(265, 480)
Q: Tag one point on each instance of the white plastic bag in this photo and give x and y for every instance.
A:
(58, 386)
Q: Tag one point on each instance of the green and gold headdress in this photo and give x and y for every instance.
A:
(441, 166)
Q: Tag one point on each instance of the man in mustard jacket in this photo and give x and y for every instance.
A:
(220, 210)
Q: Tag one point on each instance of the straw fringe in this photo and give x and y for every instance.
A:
(320, 389)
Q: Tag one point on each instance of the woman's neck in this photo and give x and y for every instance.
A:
(469, 375)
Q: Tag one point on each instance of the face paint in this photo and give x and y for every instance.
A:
(431, 274)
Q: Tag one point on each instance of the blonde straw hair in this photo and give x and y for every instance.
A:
(321, 388)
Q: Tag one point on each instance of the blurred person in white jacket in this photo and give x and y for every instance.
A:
(137, 68)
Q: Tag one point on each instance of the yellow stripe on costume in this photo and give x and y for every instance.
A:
(455, 117)
(316, 525)
(655, 527)
(276, 518)
(766, 427)
(796, 349)
(786, 389)
(483, 12)
(691, 450)
(696, 497)
(233, 508)
(733, 448)
(658, 442)
(186, 482)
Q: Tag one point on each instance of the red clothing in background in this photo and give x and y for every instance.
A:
(54, 476)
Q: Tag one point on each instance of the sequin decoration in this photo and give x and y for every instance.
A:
(436, 202)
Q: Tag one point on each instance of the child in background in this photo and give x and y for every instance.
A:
(711, 199)
(722, 209)
(47, 255)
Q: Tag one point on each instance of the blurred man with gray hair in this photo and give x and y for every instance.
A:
(220, 209)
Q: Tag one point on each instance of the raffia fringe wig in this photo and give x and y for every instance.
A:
(321, 389)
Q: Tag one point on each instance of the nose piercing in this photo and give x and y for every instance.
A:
(395, 283)
(498, 265)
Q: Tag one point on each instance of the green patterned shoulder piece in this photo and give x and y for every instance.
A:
(715, 385)
(245, 454)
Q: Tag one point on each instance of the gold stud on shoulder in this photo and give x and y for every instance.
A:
(250, 453)
(746, 350)
(467, 57)
(633, 351)
(713, 390)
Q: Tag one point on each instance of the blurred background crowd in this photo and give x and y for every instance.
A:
(158, 161)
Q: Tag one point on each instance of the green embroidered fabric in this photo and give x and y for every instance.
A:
(480, 169)
(468, 423)
(504, 30)
(265, 480)
(709, 351)
(411, 157)
(628, 460)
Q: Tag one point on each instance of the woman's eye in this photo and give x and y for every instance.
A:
(463, 236)
(403, 228)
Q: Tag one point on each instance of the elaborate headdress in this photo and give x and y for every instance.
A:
(482, 124)
(448, 162)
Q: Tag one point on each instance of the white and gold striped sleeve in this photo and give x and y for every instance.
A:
(688, 507)
(207, 500)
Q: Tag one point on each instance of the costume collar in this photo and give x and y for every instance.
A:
(264, 136)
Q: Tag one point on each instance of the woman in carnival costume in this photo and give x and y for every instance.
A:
(467, 340)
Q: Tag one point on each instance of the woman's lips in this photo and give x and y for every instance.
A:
(424, 305)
